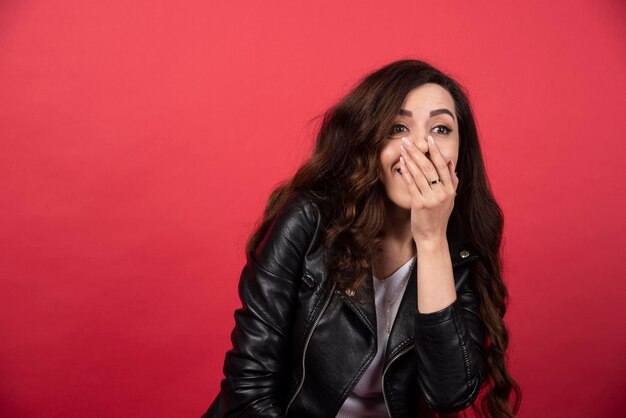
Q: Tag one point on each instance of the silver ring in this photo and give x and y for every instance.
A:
(435, 181)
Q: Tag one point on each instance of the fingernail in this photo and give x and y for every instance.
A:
(430, 139)
(406, 141)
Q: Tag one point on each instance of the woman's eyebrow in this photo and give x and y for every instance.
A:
(435, 112)
(440, 111)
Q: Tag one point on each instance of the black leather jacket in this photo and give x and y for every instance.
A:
(300, 347)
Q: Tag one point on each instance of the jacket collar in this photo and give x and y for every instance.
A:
(403, 330)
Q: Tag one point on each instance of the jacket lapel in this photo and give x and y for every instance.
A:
(366, 310)
(403, 330)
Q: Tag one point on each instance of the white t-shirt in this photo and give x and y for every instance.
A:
(366, 400)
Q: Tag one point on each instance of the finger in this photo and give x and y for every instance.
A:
(455, 179)
(408, 180)
(415, 172)
(439, 162)
(424, 170)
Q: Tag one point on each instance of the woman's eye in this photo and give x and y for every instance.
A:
(442, 129)
(398, 129)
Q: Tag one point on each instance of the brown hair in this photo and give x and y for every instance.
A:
(342, 178)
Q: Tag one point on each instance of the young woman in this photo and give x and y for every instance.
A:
(372, 286)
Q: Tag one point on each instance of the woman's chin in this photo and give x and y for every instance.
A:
(405, 206)
(402, 201)
(398, 197)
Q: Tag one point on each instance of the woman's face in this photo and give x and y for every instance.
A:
(427, 109)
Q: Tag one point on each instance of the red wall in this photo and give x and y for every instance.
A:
(140, 140)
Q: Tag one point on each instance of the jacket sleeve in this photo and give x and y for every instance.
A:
(450, 351)
(256, 368)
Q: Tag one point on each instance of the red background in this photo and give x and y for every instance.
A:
(140, 140)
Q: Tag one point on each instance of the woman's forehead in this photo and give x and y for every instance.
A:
(427, 100)
(429, 94)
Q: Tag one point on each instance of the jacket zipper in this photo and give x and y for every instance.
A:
(306, 344)
(394, 358)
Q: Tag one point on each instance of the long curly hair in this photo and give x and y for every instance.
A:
(341, 176)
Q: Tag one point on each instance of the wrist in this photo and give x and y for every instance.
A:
(432, 244)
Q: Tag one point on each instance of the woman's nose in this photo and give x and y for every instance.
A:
(421, 144)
